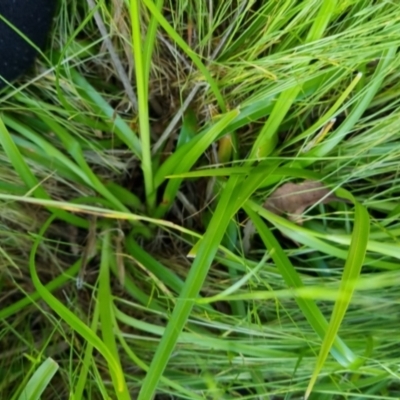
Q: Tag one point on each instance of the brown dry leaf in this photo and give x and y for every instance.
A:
(294, 198)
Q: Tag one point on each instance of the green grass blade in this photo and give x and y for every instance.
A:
(268, 137)
(49, 150)
(195, 147)
(325, 13)
(198, 272)
(102, 107)
(39, 381)
(143, 100)
(351, 273)
(340, 351)
(249, 185)
(29, 179)
(190, 53)
(154, 266)
(328, 115)
(87, 358)
(207, 341)
(168, 382)
(185, 157)
(148, 45)
(35, 296)
(74, 148)
(234, 194)
(353, 118)
(107, 318)
(68, 316)
(189, 128)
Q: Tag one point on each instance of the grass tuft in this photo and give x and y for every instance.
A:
(133, 158)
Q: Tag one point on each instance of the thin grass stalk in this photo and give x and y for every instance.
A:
(143, 104)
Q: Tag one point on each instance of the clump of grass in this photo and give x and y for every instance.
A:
(123, 269)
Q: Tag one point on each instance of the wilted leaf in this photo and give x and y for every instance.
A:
(294, 198)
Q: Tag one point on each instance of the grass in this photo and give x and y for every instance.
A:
(124, 273)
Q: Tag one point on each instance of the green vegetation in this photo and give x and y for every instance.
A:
(130, 162)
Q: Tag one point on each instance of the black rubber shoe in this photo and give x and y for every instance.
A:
(34, 19)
